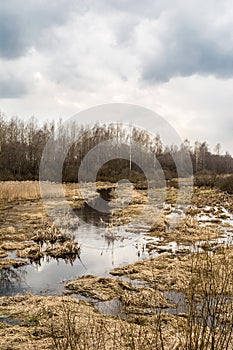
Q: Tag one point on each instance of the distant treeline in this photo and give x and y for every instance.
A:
(22, 145)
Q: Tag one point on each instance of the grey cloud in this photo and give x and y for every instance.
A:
(188, 52)
(22, 22)
(190, 41)
(146, 8)
(12, 88)
(12, 44)
(184, 47)
(189, 44)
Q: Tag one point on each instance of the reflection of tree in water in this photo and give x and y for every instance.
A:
(11, 279)
(94, 211)
(68, 259)
(110, 237)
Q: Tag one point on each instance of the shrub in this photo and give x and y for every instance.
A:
(226, 183)
(208, 180)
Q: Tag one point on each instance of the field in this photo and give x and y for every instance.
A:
(125, 279)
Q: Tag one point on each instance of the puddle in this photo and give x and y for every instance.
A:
(98, 257)
(178, 300)
(101, 250)
(100, 253)
(10, 320)
(112, 307)
(115, 307)
(11, 281)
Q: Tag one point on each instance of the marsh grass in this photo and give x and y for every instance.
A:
(92, 331)
(19, 190)
(209, 323)
(30, 190)
(204, 278)
(204, 324)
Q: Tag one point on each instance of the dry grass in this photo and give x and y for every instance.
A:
(65, 323)
(204, 279)
(101, 288)
(30, 190)
(33, 253)
(209, 302)
(68, 248)
(19, 190)
(165, 272)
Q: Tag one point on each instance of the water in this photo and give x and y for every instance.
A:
(49, 277)
(100, 253)
(112, 307)
(115, 307)
(10, 320)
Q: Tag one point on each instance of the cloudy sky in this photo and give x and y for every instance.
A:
(60, 57)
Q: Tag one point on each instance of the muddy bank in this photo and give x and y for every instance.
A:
(187, 232)
(157, 275)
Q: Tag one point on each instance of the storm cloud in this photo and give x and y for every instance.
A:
(174, 57)
(187, 49)
(166, 40)
(23, 23)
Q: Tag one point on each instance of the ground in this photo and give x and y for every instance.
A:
(160, 301)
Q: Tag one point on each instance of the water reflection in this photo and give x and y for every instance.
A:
(99, 255)
(12, 280)
(68, 259)
(90, 215)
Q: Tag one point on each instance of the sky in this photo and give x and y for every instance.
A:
(60, 57)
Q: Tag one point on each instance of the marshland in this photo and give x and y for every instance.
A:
(152, 285)
(121, 263)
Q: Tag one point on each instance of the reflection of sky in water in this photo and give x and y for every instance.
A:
(99, 255)
(49, 275)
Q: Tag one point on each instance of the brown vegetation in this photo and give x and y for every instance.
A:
(183, 301)
(205, 322)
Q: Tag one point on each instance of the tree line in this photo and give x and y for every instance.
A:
(22, 145)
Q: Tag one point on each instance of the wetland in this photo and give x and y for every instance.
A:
(155, 277)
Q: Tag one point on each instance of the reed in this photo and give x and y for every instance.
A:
(30, 190)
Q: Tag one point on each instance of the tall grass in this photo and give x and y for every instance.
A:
(30, 190)
(206, 324)
(209, 302)
(90, 331)
(19, 190)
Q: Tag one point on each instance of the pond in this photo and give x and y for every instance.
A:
(100, 253)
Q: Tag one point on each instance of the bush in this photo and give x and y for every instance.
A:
(206, 179)
(226, 183)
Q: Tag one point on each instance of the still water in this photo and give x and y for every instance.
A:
(99, 255)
